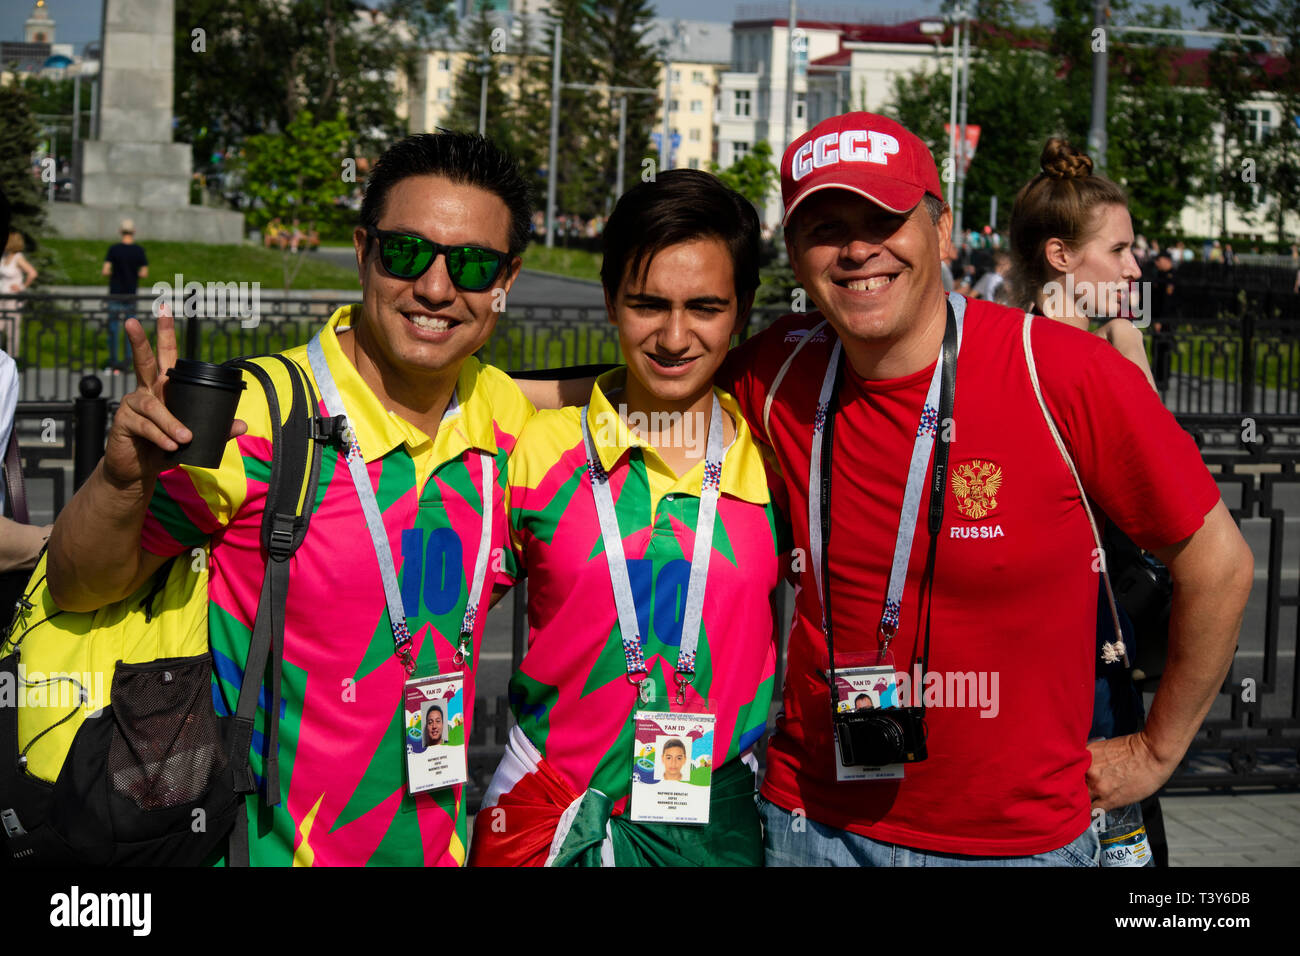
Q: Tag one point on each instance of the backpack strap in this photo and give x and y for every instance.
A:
(290, 498)
(1114, 651)
(13, 474)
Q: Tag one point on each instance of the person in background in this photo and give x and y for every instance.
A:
(1141, 249)
(1071, 232)
(125, 264)
(20, 544)
(1071, 227)
(1164, 314)
(16, 274)
(991, 282)
(946, 259)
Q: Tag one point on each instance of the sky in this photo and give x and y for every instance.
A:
(78, 21)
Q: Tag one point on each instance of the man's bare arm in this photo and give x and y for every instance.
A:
(556, 392)
(20, 544)
(95, 556)
(1212, 571)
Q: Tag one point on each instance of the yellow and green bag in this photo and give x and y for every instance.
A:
(111, 752)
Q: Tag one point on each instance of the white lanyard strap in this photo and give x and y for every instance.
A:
(923, 445)
(693, 615)
(375, 523)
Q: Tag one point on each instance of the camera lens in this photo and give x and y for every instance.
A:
(878, 742)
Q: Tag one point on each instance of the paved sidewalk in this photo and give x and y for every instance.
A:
(1251, 828)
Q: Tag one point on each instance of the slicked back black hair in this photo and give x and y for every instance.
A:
(465, 159)
(679, 205)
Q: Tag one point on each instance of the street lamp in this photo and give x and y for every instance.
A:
(482, 93)
(957, 14)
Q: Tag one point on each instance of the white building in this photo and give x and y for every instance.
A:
(839, 66)
(697, 54)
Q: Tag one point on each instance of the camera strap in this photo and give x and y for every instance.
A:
(693, 615)
(936, 411)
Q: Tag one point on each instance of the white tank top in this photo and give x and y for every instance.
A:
(11, 277)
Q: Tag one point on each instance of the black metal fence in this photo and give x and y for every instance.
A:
(1233, 380)
(1252, 734)
(1230, 350)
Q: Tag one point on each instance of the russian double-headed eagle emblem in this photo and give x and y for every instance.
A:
(976, 484)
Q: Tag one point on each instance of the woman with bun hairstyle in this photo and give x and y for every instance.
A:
(1071, 244)
(1072, 250)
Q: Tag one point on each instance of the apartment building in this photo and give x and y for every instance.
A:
(697, 54)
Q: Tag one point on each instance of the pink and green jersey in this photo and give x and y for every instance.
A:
(343, 798)
(571, 696)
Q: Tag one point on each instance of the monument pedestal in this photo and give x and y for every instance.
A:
(180, 224)
(134, 170)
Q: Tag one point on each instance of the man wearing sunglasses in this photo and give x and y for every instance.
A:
(408, 535)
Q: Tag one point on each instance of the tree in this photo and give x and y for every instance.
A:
(530, 113)
(1260, 171)
(753, 175)
(626, 59)
(604, 43)
(1013, 127)
(245, 67)
(485, 40)
(1160, 147)
(295, 176)
(22, 185)
(578, 173)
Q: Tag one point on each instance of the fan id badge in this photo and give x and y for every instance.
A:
(434, 718)
(865, 688)
(672, 767)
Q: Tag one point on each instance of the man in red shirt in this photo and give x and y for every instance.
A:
(986, 609)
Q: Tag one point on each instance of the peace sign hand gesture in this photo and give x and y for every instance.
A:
(143, 429)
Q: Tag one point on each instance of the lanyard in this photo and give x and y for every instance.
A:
(692, 616)
(937, 408)
(375, 523)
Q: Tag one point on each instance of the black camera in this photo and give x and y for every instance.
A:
(876, 738)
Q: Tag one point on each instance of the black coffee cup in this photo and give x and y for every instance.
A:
(203, 397)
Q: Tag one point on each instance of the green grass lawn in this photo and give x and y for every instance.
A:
(576, 263)
(82, 260)
(1203, 356)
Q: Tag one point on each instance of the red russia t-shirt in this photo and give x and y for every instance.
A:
(1014, 616)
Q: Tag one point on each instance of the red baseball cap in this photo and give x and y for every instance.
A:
(864, 153)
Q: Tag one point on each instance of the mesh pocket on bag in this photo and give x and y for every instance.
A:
(166, 746)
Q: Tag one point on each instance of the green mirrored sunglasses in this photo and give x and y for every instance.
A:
(471, 268)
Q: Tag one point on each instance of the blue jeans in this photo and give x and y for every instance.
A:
(791, 840)
(118, 312)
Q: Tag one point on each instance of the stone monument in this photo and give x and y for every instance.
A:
(134, 170)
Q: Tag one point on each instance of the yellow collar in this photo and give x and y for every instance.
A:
(743, 475)
(379, 431)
